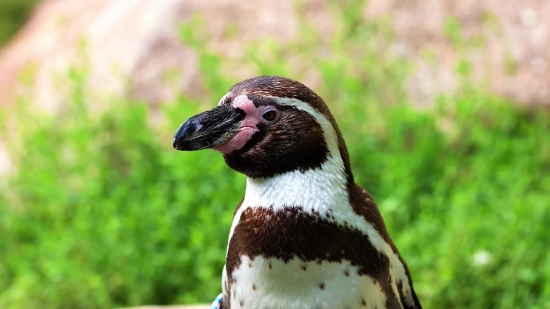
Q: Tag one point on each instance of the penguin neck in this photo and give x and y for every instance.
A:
(315, 190)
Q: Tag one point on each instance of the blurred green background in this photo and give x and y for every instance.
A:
(102, 213)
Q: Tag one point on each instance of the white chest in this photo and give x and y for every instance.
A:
(272, 283)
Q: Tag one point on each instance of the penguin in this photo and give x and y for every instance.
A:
(305, 235)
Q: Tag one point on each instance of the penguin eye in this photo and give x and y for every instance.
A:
(270, 115)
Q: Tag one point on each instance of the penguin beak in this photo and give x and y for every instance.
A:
(208, 129)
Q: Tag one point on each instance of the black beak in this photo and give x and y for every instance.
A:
(208, 129)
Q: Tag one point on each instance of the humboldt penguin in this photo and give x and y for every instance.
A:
(305, 235)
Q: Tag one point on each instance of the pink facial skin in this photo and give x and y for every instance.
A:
(247, 127)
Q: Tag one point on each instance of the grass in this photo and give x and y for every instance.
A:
(103, 213)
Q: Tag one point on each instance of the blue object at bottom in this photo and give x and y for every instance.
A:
(217, 302)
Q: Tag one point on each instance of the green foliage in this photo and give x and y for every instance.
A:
(103, 213)
(13, 14)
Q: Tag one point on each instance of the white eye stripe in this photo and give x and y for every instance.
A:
(330, 135)
(223, 98)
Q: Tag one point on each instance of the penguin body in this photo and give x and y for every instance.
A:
(305, 235)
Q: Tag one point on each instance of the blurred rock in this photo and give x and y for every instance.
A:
(132, 45)
(505, 42)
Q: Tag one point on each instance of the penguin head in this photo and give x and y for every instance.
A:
(265, 126)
